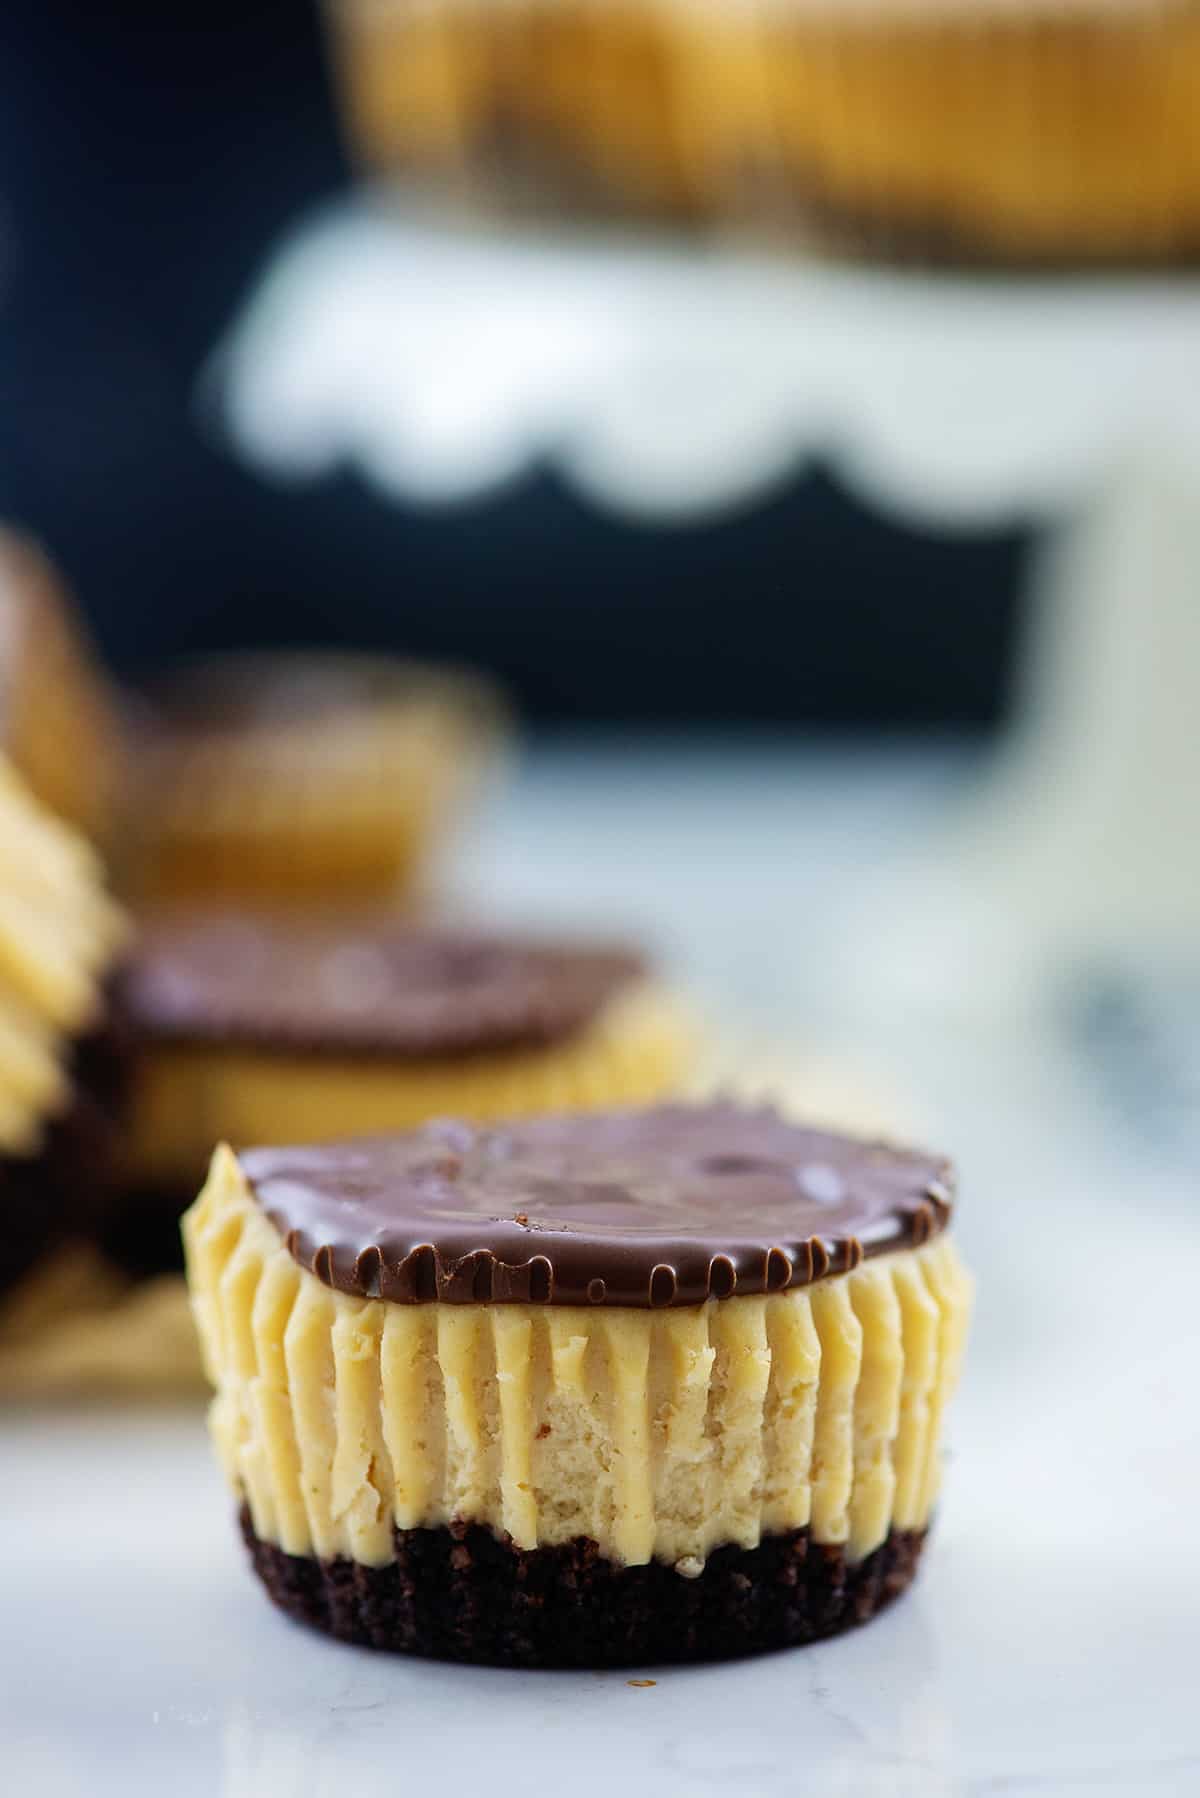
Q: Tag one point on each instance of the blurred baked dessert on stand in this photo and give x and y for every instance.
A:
(1012, 131)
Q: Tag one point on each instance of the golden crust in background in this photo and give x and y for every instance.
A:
(1059, 132)
(658, 1435)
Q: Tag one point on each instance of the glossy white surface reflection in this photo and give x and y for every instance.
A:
(1049, 1646)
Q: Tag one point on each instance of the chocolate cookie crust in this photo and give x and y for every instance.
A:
(375, 987)
(462, 1594)
(667, 1206)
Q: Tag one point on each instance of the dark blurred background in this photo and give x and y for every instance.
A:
(150, 158)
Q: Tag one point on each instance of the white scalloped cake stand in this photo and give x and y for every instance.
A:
(678, 381)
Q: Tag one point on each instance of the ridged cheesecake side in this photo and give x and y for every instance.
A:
(59, 937)
(657, 1436)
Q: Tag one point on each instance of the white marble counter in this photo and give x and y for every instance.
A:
(1050, 1645)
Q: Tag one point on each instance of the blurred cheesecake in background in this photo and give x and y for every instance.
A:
(61, 1070)
(1012, 131)
(300, 777)
(295, 1028)
(60, 723)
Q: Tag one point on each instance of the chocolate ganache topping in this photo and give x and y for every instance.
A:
(371, 987)
(667, 1206)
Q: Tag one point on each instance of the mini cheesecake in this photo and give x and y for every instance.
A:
(296, 778)
(61, 1075)
(294, 1029)
(586, 1390)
